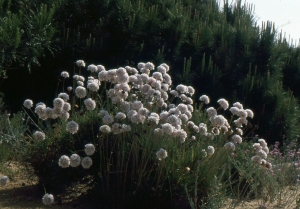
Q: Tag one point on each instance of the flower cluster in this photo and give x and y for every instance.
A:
(75, 160)
(262, 151)
(60, 108)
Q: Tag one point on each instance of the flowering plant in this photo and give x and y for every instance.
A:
(130, 131)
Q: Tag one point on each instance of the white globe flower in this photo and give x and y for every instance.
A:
(58, 103)
(236, 139)
(80, 92)
(28, 103)
(210, 150)
(238, 105)
(90, 104)
(92, 68)
(204, 99)
(75, 160)
(80, 63)
(38, 135)
(105, 129)
(229, 146)
(3, 181)
(223, 103)
(249, 113)
(69, 88)
(64, 96)
(65, 74)
(64, 116)
(89, 149)
(161, 154)
(72, 127)
(86, 162)
(48, 199)
(64, 161)
(66, 107)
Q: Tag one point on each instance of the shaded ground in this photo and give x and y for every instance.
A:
(22, 192)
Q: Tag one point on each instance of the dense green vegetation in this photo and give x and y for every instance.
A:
(221, 52)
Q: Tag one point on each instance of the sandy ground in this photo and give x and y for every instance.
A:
(22, 193)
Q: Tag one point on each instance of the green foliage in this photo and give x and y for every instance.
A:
(26, 32)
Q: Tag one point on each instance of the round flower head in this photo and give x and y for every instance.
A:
(211, 112)
(40, 136)
(136, 105)
(3, 181)
(202, 129)
(58, 103)
(48, 199)
(126, 128)
(102, 113)
(167, 79)
(229, 146)
(116, 128)
(92, 68)
(256, 159)
(69, 88)
(191, 90)
(107, 119)
(182, 88)
(238, 105)
(89, 149)
(65, 116)
(204, 99)
(242, 113)
(80, 63)
(40, 110)
(234, 110)
(103, 76)
(65, 74)
(90, 104)
(64, 161)
(218, 120)
(239, 131)
(28, 103)
(100, 68)
(161, 69)
(210, 150)
(262, 142)
(66, 107)
(64, 96)
(121, 71)
(250, 114)
(236, 139)
(72, 127)
(141, 65)
(93, 86)
(80, 92)
(120, 116)
(223, 103)
(48, 112)
(161, 154)
(149, 65)
(86, 162)
(105, 129)
(174, 93)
